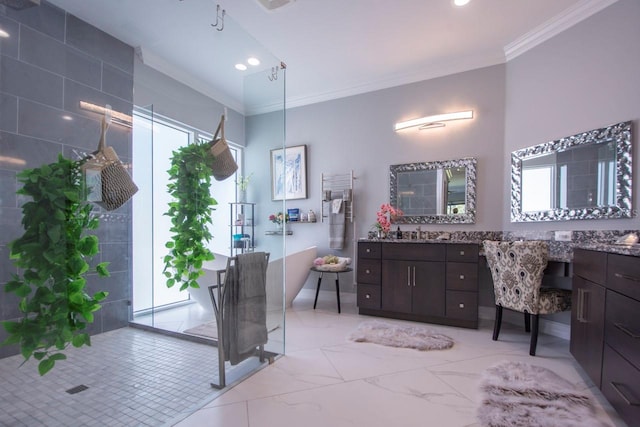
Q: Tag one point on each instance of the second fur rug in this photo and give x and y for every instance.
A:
(520, 394)
(393, 335)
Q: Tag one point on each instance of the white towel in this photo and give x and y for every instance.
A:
(336, 205)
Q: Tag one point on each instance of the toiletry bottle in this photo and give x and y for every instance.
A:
(311, 216)
(399, 233)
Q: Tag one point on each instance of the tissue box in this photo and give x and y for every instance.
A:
(294, 214)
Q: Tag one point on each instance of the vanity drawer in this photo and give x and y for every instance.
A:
(414, 251)
(621, 385)
(369, 271)
(462, 253)
(623, 275)
(462, 305)
(369, 250)
(462, 276)
(622, 326)
(369, 296)
(590, 265)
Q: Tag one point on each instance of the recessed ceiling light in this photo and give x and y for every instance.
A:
(253, 61)
(461, 2)
(67, 117)
(3, 33)
(241, 67)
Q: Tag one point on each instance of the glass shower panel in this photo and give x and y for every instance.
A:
(265, 131)
(252, 130)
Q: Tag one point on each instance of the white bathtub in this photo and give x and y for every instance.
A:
(297, 264)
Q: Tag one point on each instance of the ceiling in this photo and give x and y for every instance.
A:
(332, 48)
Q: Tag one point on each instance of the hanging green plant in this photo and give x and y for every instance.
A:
(190, 212)
(52, 257)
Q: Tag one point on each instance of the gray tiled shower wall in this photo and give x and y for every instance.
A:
(51, 61)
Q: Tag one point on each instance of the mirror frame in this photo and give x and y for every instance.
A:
(621, 134)
(469, 217)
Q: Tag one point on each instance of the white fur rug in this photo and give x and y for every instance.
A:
(520, 394)
(420, 338)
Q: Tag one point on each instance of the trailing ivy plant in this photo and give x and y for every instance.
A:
(190, 212)
(51, 256)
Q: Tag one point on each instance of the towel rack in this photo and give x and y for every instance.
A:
(337, 186)
(219, 298)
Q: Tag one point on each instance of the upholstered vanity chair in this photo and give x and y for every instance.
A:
(517, 269)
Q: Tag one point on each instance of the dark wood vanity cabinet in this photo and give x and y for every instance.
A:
(413, 279)
(605, 326)
(427, 282)
(587, 312)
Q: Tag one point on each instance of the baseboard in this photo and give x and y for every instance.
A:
(549, 327)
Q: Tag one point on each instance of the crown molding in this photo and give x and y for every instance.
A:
(555, 26)
(444, 69)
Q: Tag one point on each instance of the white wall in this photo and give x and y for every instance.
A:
(356, 133)
(178, 101)
(584, 78)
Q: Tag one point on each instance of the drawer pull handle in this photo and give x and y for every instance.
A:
(367, 296)
(624, 276)
(462, 277)
(625, 398)
(461, 305)
(626, 330)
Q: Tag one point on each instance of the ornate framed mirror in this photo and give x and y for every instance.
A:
(441, 192)
(583, 176)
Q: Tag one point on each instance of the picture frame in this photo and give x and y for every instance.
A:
(289, 173)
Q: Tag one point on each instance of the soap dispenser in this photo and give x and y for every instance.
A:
(311, 216)
(399, 233)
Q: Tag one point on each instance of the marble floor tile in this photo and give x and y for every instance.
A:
(326, 380)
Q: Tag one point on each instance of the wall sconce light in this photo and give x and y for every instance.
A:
(430, 122)
(116, 116)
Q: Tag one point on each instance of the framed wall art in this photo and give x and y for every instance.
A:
(289, 173)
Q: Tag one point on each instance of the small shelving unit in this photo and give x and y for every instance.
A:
(241, 217)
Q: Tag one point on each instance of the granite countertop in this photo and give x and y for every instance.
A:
(558, 251)
(632, 250)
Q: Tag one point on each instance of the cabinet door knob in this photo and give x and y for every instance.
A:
(367, 271)
(461, 305)
(367, 296)
(368, 250)
(461, 252)
(462, 277)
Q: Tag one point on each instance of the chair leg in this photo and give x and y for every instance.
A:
(534, 336)
(497, 323)
(527, 322)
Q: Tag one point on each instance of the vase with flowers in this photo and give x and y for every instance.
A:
(280, 220)
(384, 217)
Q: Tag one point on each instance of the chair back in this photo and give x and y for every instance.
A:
(517, 269)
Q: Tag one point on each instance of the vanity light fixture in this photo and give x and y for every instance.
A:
(430, 122)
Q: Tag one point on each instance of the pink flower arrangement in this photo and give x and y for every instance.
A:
(385, 216)
(279, 218)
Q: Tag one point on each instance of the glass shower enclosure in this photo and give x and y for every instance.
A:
(162, 124)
